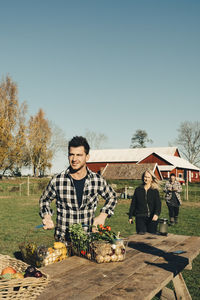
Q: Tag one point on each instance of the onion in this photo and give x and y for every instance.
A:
(118, 251)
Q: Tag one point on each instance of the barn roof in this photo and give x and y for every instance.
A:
(127, 171)
(127, 155)
(166, 168)
(178, 162)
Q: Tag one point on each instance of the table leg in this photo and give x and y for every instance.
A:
(180, 287)
(167, 294)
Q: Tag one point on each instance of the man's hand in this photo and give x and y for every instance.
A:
(48, 223)
(155, 218)
(130, 221)
(99, 220)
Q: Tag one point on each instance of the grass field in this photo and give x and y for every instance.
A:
(19, 216)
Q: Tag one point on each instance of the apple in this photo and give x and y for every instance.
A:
(8, 270)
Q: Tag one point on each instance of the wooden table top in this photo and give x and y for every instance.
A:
(150, 264)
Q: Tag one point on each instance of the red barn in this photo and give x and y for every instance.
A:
(167, 158)
(173, 164)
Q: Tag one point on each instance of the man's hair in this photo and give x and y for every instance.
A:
(78, 141)
(172, 174)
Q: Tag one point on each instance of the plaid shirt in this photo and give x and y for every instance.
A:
(168, 193)
(62, 189)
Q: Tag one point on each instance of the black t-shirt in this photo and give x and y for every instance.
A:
(174, 201)
(79, 186)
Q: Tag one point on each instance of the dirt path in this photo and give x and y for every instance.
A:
(191, 204)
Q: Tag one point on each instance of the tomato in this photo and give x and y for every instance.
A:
(108, 228)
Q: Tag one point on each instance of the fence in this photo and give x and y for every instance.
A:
(125, 190)
(24, 186)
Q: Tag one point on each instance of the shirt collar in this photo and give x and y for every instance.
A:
(89, 172)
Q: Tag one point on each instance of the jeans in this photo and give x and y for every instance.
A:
(173, 211)
(145, 224)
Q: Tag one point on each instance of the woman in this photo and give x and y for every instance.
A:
(146, 204)
(173, 198)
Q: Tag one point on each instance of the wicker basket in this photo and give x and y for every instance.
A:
(28, 288)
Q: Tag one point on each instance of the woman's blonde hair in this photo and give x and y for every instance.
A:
(155, 184)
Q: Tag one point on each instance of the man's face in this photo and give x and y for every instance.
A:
(172, 178)
(77, 158)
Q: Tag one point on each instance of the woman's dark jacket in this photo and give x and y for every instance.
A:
(145, 203)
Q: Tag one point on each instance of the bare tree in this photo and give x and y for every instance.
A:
(189, 141)
(139, 139)
(95, 140)
(58, 139)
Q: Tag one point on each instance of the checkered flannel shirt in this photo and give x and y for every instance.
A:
(168, 193)
(61, 188)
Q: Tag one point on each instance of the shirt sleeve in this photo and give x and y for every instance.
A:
(110, 197)
(179, 187)
(157, 203)
(166, 187)
(132, 206)
(47, 197)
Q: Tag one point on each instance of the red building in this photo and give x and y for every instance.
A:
(167, 158)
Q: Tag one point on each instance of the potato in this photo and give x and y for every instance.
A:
(107, 258)
(120, 257)
(99, 259)
(114, 257)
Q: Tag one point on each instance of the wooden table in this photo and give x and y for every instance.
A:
(149, 266)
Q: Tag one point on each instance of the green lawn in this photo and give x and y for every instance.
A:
(19, 216)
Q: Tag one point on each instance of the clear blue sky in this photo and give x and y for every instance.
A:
(109, 66)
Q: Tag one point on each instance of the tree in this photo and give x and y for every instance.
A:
(12, 127)
(19, 156)
(139, 139)
(189, 141)
(58, 140)
(38, 144)
(21, 144)
(95, 140)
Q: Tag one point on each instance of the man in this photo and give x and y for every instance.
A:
(76, 193)
(172, 191)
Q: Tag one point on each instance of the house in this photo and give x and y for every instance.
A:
(167, 158)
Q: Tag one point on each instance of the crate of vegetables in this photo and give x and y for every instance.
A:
(102, 246)
(42, 255)
(19, 280)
